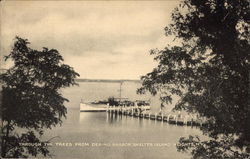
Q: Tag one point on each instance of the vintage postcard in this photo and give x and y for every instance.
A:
(119, 79)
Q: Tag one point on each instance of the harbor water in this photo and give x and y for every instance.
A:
(100, 135)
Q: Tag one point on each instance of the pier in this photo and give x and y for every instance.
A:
(144, 113)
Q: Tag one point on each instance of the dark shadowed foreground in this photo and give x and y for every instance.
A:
(209, 70)
(31, 98)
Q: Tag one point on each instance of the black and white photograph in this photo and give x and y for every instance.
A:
(116, 79)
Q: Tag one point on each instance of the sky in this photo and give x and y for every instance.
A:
(99, 39)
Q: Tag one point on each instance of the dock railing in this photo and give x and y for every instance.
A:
(144, 113)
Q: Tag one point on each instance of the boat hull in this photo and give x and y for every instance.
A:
(92, 110)
(84, 107)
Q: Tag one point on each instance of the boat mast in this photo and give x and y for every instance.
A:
(120, 90)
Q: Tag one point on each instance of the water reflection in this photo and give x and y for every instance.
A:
(102, 127)
(110, 118)
(114, 118)
(91, 116)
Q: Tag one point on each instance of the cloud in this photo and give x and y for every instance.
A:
(113, 36)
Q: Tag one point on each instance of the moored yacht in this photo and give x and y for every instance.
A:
(88, 107)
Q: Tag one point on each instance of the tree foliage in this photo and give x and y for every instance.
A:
(31, 100)
(210, 72)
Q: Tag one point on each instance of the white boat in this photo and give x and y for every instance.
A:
(85, 107)
(121, 104)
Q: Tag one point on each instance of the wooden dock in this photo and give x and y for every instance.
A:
(171, 118)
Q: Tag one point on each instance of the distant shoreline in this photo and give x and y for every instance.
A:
(106, 80)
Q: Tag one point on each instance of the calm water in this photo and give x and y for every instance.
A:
(102, 135)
